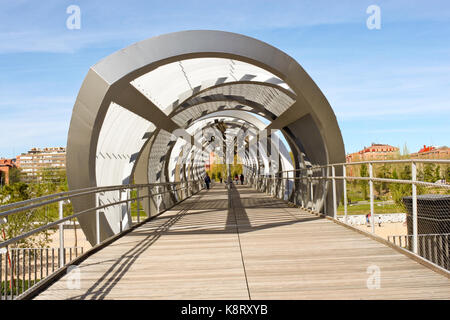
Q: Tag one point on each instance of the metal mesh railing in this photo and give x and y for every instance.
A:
(433, 247)
(406, 201)
(22, 268)
(31, 224)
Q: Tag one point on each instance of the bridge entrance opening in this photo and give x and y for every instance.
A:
(165, 109)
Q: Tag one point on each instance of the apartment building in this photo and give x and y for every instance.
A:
(375, 152)
(431, 152)
(35, 161)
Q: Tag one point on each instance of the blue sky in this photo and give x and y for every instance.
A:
(387, 86)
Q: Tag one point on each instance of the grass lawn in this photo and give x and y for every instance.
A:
(17, 286)
(365, 209)
(142, 213)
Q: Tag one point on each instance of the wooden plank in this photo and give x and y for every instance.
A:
(204, 249)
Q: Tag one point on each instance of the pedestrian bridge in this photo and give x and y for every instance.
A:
(151, 120)
(244, 244)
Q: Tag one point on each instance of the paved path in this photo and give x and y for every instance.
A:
(247, 245)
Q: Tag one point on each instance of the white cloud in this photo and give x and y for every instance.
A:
(29, 26)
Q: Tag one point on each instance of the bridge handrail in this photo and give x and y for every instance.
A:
(80, 192)
(191, 186)
(330, 177)
(323, 187)
(83, 191)
(446, 161)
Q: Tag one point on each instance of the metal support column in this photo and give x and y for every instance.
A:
(372, 216)
(414, 206)
(344, 174)
(333, 173)
(138, 202)
(294, 187)
(325, 175)
(61, 235)
(97, 219)
(150, 201)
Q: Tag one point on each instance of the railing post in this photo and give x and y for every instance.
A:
(344, 174)
(274, 186)
(414, 206)
(325, 175)
(294, 187)
(97, 219)
(149, 202)
(138, 202)
(129, 202)
(333, 172)
(312, 192)
(372, 217)
(61, 235)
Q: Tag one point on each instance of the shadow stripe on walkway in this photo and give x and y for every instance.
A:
(198, 250)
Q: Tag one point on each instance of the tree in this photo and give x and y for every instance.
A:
(405, 152)
(236, 167)
(383, 172)
(26, 221)
(55, 176)
(363, 183)
(428, 172)
(405, 174)
(394, 174)
(218, 168)
(15, 175)
(437, 173)
(401, 190)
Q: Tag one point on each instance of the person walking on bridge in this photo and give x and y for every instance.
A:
(207, 181)
(242, 178)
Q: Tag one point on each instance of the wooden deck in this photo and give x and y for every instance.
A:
(247, 246)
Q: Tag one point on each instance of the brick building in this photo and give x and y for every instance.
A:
(431, 152)
(5, 166)
(374, 152)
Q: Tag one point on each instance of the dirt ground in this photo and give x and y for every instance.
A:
(386, 229)
(69, 239)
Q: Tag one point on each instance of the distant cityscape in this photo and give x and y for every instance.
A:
(32, 163)
(387, 152)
